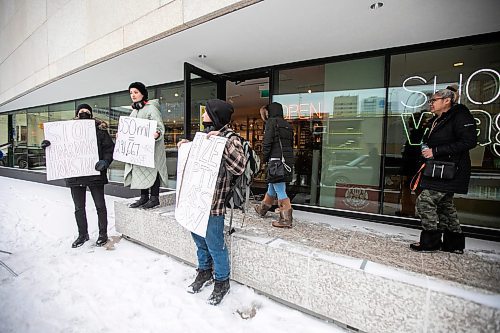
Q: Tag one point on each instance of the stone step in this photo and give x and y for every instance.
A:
(370, 281)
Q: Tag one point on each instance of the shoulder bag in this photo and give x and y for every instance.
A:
(276, 168)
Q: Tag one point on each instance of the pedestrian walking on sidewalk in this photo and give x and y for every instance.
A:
(78, 185)
(277, 148)
(211, 250)
(451, 136)
(146, 179)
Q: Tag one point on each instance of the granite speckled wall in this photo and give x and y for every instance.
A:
(367, 296)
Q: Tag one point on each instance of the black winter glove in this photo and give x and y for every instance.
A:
(45, 144)
(101, 165)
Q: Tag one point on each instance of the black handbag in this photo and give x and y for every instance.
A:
(276, 171)
(276, 168)
(440, 169)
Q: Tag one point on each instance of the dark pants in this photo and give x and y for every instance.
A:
(79, 196)
(155, 189)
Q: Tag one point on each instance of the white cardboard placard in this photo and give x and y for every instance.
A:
(135, 143)
(197, 170)
(73, 149)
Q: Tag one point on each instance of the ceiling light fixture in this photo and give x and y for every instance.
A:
(458, 64)
(309, 91)
(376, 5)
(176, 95)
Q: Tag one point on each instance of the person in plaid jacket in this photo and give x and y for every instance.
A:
(212, 251)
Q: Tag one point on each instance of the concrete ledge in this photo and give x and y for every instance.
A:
(363, 294)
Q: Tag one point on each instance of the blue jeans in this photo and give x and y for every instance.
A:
(277, 188)
(212, 249)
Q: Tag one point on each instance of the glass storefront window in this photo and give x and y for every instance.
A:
(337, 112)
(62, 111)
(172, 111)
(20, 144)
(414, 77)
(4, 139)
(202, 90)
(99, 105)
(35, 119)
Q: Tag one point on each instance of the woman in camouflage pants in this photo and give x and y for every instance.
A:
(451, 136)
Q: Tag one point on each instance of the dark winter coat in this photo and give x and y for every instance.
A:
(105, 147)
(451, 139)
(276, 125)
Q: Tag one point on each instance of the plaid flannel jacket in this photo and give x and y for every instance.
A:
(234, 162)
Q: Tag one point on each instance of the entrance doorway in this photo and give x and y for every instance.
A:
(247, 94)
(247, 97)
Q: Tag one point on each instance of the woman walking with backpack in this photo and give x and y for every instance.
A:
(277, 151)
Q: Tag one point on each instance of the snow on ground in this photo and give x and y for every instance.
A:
(91, 289)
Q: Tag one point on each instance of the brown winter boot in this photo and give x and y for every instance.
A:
(264, 206)
(286, 219)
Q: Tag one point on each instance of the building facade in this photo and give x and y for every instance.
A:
(357, 98)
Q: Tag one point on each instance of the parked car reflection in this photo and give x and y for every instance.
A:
(364, 169)
(28, 156)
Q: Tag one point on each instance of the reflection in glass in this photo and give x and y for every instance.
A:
(36, 155)
(337, 113)
(171, 100)
(20, 146)
(414, 78)
(202, 90)
(4, 140)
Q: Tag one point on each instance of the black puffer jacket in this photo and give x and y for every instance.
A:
(105, 147)
(451, 139)
(275, 126)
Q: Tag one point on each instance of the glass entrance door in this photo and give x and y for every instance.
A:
(199, 87)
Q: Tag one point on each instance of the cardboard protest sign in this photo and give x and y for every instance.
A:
(73, 149)
(197, 170)
(135, 143)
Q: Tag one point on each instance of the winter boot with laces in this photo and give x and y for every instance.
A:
(221, 288)
(203, 278)
(80, 240)
(153, 202)
(142, 200)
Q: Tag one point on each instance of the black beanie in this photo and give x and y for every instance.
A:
(141, 87)
(275, 110)
(83, 106)
(220, 112)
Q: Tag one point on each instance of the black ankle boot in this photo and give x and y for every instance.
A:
(221, 288)
(430, 240)
(142, 200)
(152, 202)
(453, 242)
(101, 240)
(80, 240)
(203, 278)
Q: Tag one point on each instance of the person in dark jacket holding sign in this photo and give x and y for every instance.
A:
(452, 134)
(277, 149)
(78, 185)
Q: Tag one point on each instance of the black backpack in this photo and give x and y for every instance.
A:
(239, 193)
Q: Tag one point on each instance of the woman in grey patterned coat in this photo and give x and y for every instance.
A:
(146, 179)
